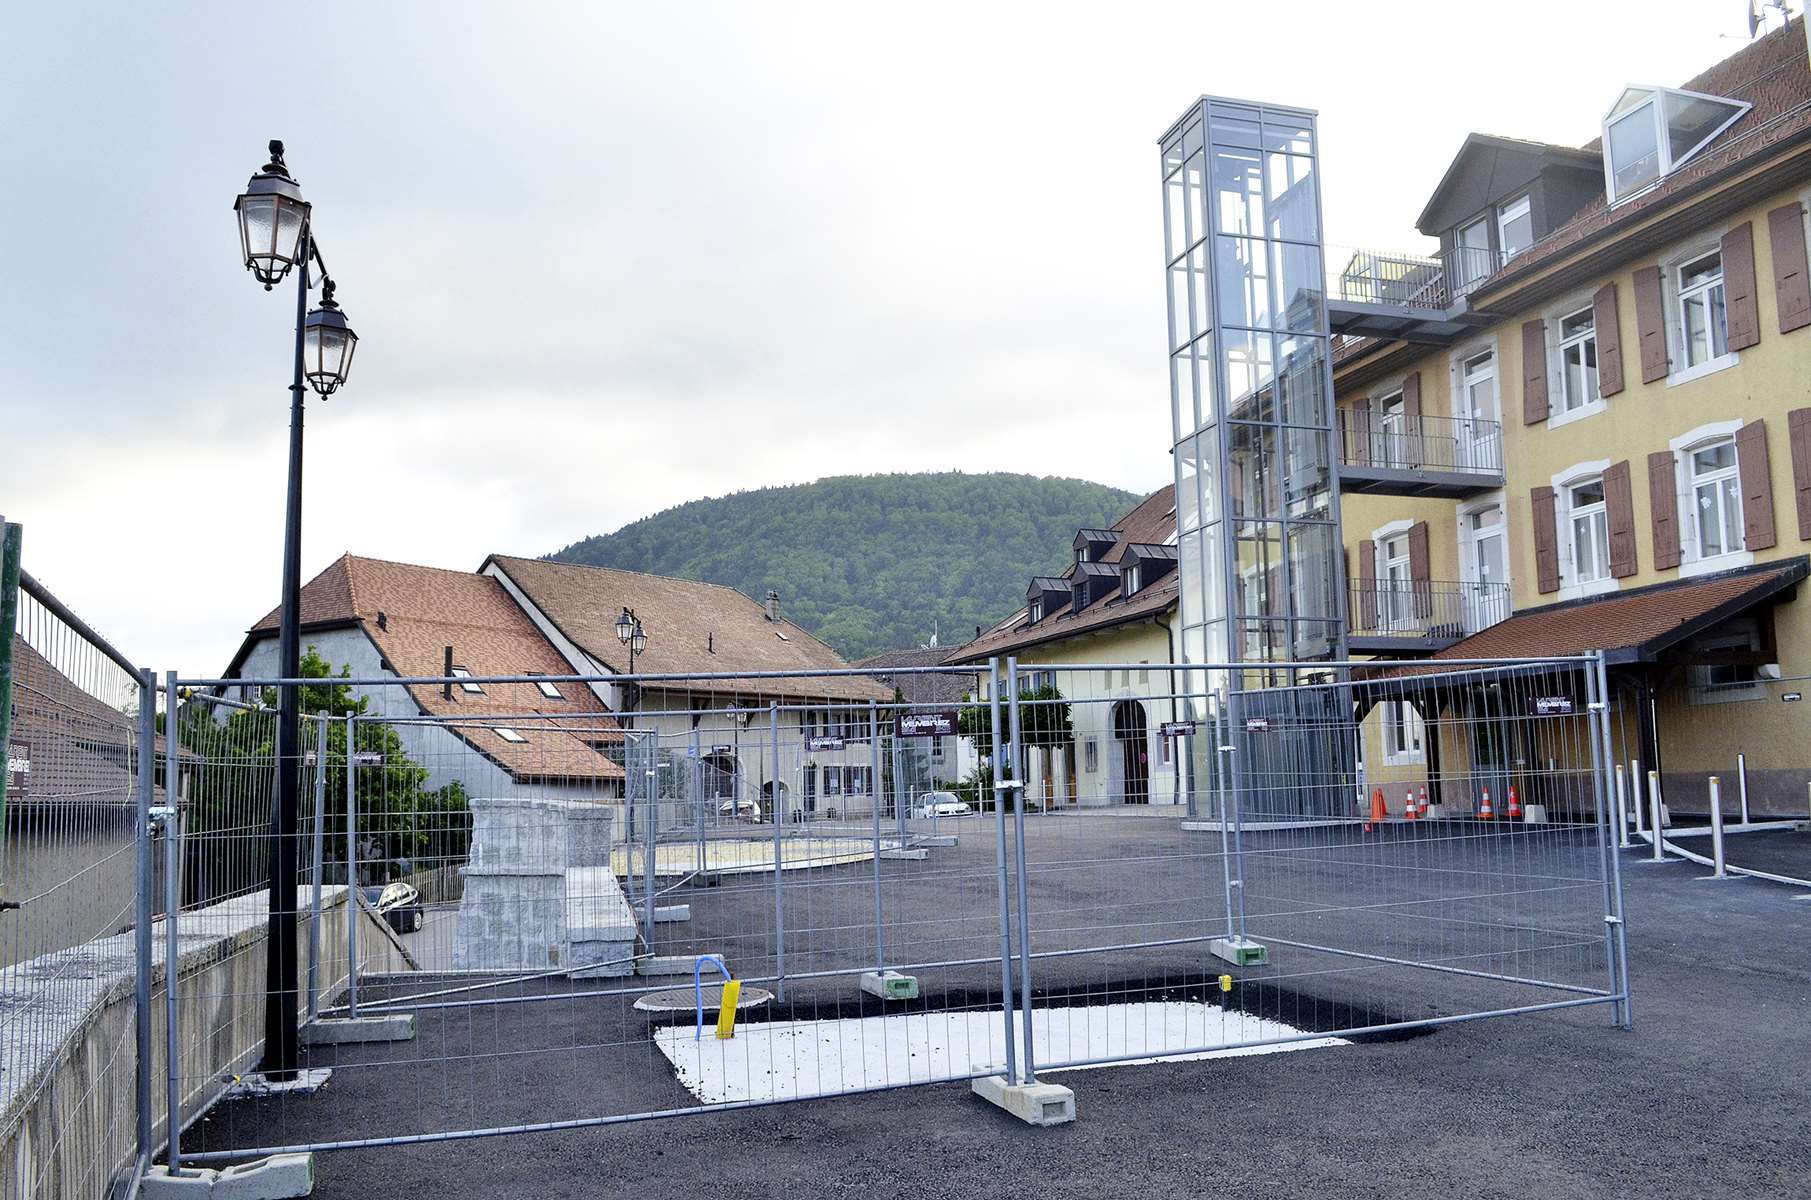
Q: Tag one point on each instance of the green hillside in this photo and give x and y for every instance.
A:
(872, 562)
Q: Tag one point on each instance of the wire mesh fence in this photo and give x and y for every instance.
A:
(1076, 866)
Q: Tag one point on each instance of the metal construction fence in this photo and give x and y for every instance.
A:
(1130, 863)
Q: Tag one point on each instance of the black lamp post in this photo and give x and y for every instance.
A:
(630, 633)
(274, 236)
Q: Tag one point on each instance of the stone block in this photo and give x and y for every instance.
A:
(1032, 1103)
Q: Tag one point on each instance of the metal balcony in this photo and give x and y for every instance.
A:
(1387, 616)
(1404, 297)
(1407, 455)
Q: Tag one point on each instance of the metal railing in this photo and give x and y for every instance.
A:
(1425, 442)
(1427, 610)
(1403, 280)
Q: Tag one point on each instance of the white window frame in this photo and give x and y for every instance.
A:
(464, 675)
(549, 689)
(1386, 437)
(1459, 389)
(1468, 569)
(509, 735)
(1678, 372)
(1036, 611)
(1571, 587)
(1131, 582)
(1747, 636)
(1464, 277)
(1655, 106)
(1521, 206)
(1692, 560)
(1402, 717)
(1561, 410)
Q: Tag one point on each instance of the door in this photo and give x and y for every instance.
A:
(1487, 568)
(1132, 737)
(1479, 438)
(1069, 769)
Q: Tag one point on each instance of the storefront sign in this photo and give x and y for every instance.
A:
(925, 724)
(1552, 706)
(18, 770)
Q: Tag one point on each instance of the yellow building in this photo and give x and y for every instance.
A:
(1093, 633)
(1586, 425)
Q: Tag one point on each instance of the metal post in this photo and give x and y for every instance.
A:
(993, 693)
(880, 937)
(1635, 778)
(1718, 867)
(172, 956)
(699, 799)
(1597, 690)
(1656, 815)
(779, 892)
(142, 909)
(900, 798)
(1027, 1056)
(1622, 811)
(11, 544)
(1742, 782)
(351, 864)
(651, 793)
(282, 1045)
(314, 906)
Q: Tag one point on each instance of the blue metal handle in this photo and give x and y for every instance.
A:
(698, 988)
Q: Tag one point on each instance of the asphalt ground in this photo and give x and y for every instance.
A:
(1706, 1096)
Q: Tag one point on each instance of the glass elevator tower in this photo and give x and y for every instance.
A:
(1251, 385)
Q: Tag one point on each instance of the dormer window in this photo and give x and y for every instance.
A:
(1515, 227)
(1129, 582)
(1652, 130)
(1081, 554)
(1037, 610)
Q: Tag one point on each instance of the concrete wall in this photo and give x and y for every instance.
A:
(68, 1125)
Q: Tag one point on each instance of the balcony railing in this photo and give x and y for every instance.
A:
(1401, 612)
(1397, 280)
(1403, 442)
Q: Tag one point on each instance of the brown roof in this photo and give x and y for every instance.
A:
(425, 610)
(81, 749)
(939, 688)
(1772, 73)
(1152, 522)
(693, 629)
(1631, 627)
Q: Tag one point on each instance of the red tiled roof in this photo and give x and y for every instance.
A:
(1152, 522)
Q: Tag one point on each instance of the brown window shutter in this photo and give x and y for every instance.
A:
(1367, 584)
(1534, 372)
(1663, 503)
(1786, 242)
(1546, 540)
(1650, 324)
(1798, 433)
(1605, 317)
(1744, 308)
(1358, 433)
(1418, 568)
(1757, 486)
(1619, 509)
(1411, 420)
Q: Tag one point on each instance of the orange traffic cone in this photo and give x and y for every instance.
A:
(1379, 811)
(1485, 812)
(1514, 811)
(1424, 799)
(1408, 806)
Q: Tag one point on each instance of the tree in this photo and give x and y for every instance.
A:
(403, 824)
(1044, 720)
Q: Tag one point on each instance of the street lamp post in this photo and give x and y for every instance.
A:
(274, 237)
(630, 633)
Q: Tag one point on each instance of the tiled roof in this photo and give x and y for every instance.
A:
(942, 688)
(425, 610)
(81, 750)
(1773, 73)
(693, 629)
(1635, 626)
(1153, 521)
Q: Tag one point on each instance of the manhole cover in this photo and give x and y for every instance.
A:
(684, 1000)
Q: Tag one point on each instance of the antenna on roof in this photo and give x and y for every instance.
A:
(1757, 14)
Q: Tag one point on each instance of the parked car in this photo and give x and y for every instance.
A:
(940, 804)
(399, 904)
(741, 810)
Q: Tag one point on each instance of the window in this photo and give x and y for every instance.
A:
(1738, 677)
(1472, 249)
(1652, 130)
(1389, 430)
(1131, 583)
(1703, 321)
(1396, 604)
(1578, 360)
(1486, 568)
(1402, 732)
(1716, 498)
(509, 735)
(1090, 756)
(1589, 525)
(1515, 227)
(936, 749)
(833, 781)
(467, 686)
(1037, 610)
(549, 689)
(1081, 554)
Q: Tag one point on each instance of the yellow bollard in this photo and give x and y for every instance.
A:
(726, 1015)
(1226, 983)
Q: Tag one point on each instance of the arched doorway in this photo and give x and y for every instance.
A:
(1132, 736)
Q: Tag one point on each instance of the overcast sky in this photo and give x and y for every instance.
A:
(604, 259)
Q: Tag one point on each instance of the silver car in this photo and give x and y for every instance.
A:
(941, 804)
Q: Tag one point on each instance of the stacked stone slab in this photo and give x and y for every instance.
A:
(539, 891)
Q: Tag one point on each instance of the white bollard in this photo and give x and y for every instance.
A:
(1622, 812)
(1635, 795)
(1742, 783)
(1654, 815)
(1716, 830)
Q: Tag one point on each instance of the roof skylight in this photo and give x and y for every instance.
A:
(1650, 131)
(461, 673)
(509, 735)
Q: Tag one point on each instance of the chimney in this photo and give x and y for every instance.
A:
(446, 689)
(773, 605)
(710, 642)
(383, 619)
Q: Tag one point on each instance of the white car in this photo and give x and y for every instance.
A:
(941, 804)
(740, 810)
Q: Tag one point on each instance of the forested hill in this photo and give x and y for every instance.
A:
(872, 562)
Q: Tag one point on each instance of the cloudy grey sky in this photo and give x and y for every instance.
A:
(605, 258)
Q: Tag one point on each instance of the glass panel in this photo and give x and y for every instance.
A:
(1301, 286)
(1576, 324)
(1191, 139)
(1175, 215)
(1213, 602)
(1188, 493)
(1242, 279)
(1302, 380)
(1238, 185)
(1209, 441)
(1292, 201)
(1634, 150)
(1254, 475)
(1690, 119)
(1204, 382)
(1629, 99)
(1234, 125)
(1203, 317)
(1472, 249)
(1315, 639)
(1189, 551)
(1182, 398)
(1307, 479)
(1516, 228)
(1249, 367)
(1311, 567)
(1704, 270)
(1287, 133)
(1179, 321)
(1714, 458)
(1195, 179)
(1587, 493)
(1259, 562)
